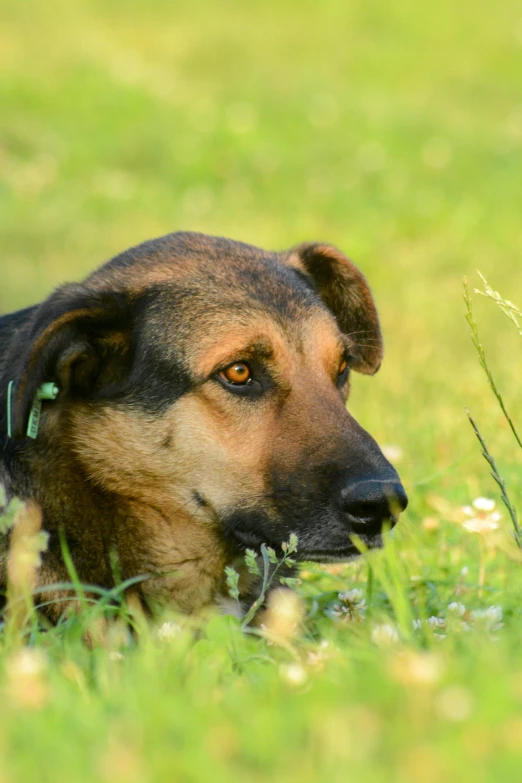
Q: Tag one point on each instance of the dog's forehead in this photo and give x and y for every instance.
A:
(213, 308)
(180, 257)
(205, 291)
(201, 290)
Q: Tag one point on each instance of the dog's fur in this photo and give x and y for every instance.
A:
(150, 454)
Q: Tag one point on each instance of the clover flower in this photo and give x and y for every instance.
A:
(491, 617)
(168, 630)
(293, 673)
(482, 517)
(457, 608)
(26, 684)
(351, 606)
(384, 635)
(283, 616)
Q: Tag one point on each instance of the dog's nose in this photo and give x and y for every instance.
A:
(372, 502)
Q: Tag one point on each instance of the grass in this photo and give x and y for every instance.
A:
(393, 131)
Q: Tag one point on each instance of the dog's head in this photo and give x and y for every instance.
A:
(210, 379)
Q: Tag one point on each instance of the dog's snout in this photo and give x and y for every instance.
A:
(372, 502)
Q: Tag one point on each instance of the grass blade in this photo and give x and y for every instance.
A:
(498, 478)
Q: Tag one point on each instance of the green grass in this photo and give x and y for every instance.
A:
(392, 130)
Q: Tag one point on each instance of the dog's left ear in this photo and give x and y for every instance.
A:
(79, 346)
(344, 290)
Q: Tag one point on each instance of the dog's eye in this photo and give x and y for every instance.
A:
(237, 374)
(342, 375)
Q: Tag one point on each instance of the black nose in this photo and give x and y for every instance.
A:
(373, 502)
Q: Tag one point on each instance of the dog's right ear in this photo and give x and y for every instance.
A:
(344, 290)
(81, 341)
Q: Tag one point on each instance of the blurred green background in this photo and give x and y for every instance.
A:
(392, 130)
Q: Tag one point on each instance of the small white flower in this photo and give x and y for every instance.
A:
(484, 504)
(494, 613)
(351, 596)
(168, 630)
(436, 622)
(417, 625)
(456, 608)
(482, 525)
(384, 635)
(352, 606)
(482, 516)
(27, 662)
(293, 674)
(490, 617)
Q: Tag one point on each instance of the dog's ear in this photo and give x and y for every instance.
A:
(344, 290)
(79, 340)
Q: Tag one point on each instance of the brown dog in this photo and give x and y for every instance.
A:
(199, 409)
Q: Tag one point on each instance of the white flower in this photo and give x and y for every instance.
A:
(27, 662)
(436, 622)
(351, 596)
(482, 525)
(293, 674)
(283, 616)
(352, 606)
(482, 516)
(484, 504)
(384, 635)
(456, 608)
(490, 617)
(168, 630)
(417, 625)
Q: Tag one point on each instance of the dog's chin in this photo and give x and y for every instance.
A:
(341, 554)
(246, 539)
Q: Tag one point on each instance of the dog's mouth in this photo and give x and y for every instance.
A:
(323, 542)
(246, 539)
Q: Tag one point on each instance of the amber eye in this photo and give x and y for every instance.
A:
(343, 366)
(237, 373)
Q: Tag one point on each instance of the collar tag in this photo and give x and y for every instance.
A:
(47, 391)
(9, 409)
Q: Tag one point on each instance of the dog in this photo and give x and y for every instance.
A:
(186, 402)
